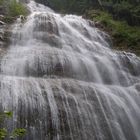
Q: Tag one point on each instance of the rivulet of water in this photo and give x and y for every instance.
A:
(63, 82)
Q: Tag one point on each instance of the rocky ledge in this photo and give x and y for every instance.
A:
(4, 33)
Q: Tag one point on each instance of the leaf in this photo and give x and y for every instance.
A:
(18, 132)
(3, 133)
(8, 114)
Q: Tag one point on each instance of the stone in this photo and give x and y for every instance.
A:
(2, 23)
(1, 17)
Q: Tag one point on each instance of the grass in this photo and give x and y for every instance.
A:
(16, 9)
(12, 9)
(125, 37)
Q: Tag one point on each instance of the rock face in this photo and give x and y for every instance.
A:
(2, 31)
(2, 10)
(5, 33)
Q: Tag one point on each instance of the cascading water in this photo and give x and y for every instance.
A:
(63, 82)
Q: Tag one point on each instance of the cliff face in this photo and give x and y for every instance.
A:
(5, 33)
(2, 30)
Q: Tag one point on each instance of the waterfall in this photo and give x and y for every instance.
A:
(63, 81)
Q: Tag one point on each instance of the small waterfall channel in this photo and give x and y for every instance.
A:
(63, 82)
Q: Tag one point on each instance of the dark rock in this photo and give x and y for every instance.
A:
(2, 23)
(5, 33)
(2, 10)
(1, 17)
(99, 25)
(91, 23)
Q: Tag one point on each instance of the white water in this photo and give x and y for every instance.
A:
(63, 82)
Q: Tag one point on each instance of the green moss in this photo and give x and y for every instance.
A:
(124, 36)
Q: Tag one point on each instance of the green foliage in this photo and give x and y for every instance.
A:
(3, 133)
(127, 12)
(124, 36)
(79, 6)
(5, 115)
(17, 132)
(72, 6)
(1, 2)
(13, 8)
(8, 114)
(16, 8)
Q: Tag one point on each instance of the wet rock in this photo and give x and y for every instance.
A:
(5, 33)
(91, 23)
(137, 86)
(99, 25)
(2, 23)
(1, 17)
(23, 18)
(1, 38)
(2, 10)
(1, 43)
(1, 33)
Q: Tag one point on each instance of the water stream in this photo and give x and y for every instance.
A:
(63, 81)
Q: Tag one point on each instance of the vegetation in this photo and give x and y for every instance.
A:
(128, 10)
(121, 18)
(125, 37)
(18, 132)
(11, 9)
(82, 5)
(16, 8)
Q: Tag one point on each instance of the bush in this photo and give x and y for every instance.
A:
(13, 8)
(4, 134)
(71, 6)
(16, 8)
(128, 12)
(125, 37)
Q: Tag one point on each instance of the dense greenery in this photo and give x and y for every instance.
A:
(72, 6)
(128, 10)
(125, 11)
(4, 133)
(12, 9)
(82, 5)
(125, 37)
(16, 8)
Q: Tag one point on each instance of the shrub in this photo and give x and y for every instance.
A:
(16, 8)
(13, 8)
(17, 132)
(125, 37)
